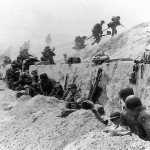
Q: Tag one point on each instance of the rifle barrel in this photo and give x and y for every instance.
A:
(105, 29)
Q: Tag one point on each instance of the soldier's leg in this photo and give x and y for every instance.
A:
(113, 31)
(98, 39)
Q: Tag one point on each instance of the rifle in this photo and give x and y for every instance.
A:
(66, 80)
(67, 91)
(89, 37)
(122, 25)
(105, 29)
(53, 49)
(95, 85)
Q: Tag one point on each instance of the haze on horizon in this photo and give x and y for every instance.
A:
(32, 20)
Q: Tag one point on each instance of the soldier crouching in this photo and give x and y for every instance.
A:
(57, 91)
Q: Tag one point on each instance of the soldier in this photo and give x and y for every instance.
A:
(46, 84)
(97, 32)
(136, 117)
(30, 61)
(7, 60)
(113, 24)
(17, 64)
(24, 79)
(48, 55)
(12, 75)
(57, 91)
(123, 94)
(115, 129)
(73, 96)
(33, 89)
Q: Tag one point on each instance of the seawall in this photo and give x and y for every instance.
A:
(115, 76)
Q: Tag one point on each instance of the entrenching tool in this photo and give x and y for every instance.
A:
(108, 33)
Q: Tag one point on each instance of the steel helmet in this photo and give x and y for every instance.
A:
(102, 21)
(72, 85)
(115, 115)
(124, 93)
(58, 85)
(133, 102)
(23, 74)
(43, 76)
(34, 72)
(87, 105)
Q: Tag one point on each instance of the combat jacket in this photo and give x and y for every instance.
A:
(73, 97)
(144, 120)
(138, 121)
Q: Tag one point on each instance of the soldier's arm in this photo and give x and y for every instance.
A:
(123, 120)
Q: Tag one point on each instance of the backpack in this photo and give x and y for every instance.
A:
(74, 60)
(115, 18)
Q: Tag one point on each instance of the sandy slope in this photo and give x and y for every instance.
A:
(130, 44)
(33, 124)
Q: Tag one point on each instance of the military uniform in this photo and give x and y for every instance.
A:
(57, 93)
(72, 97)
(46, 84)
(24, 79)
(48, 55)
(113, 24)
(30, 61)
(136, 117)
(97, 32)
(33, 89)
(12, 75)
(144, 120)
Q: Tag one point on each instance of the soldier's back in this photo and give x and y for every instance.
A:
(144, 120)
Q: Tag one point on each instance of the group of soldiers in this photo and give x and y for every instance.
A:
(134, 117)
(18, 78)
(97, 31)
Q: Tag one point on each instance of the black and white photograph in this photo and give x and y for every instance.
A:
(74, 74)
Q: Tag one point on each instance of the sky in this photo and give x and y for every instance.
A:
(32, 20)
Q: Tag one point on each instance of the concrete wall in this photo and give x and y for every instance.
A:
(115, 77)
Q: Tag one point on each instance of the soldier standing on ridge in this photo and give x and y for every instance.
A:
(115, 21)
(48, 55)
(97, 32)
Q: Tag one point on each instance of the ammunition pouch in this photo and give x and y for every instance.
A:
(74, 60)
(135, 68)
(72, 105)
(132, 80)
